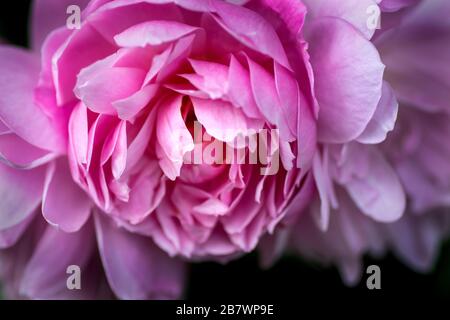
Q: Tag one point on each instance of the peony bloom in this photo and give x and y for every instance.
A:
(416, 55)
(107, 118)
(165, 132)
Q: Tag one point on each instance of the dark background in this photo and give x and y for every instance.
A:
(291, 278)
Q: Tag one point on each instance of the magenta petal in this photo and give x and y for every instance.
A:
(64, 204)
(134, 266)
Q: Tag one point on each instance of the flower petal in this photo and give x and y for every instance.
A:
(134, 266)
(349, 77)
(64, 204)
(18, 77)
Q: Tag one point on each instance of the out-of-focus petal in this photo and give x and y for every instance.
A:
(64, 204)
(383, 120)
(21, 193)
(48, 15)
(134, 266)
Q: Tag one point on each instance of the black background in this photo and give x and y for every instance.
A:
(290, 278)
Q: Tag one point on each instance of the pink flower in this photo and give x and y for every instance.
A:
(101, 128)
(415, 158)
(97, 132)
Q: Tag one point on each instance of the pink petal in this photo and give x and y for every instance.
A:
(354, 12)
(11, 236)
(268, 100)
(129, 107)
(220, 119)
(153, 33)
(119, 155)
(174, 138)
(140, 143)
(45, 275)
(21, 193)
(64, 204)
(18, 77)
(209, 77)
(349, 76)
(240, 90)
(19, 154)
(376, 190)
(145, 195)
(107, 86)
(251, 29)
(134, 266)
(81, 49)
(383, 120)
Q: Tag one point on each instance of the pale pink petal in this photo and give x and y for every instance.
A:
(220, 119)
(356, 12)
(268, 100)
(373, 184)
(383, 120)
(119, 155)
(107, 86)
(129, 107)
(153, 33)
(209, 77)
(240, 90)
(349, 76)
(174, 138)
